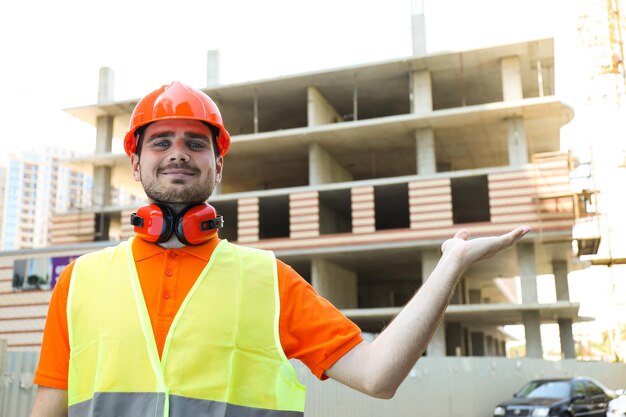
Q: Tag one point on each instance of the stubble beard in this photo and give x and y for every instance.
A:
(176, 194)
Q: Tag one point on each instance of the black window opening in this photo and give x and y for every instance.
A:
(228, 211)
(103, 224)
(388, 283)
(454, 339)
(274, 217)
(467, 343)
(335, 212)
(478, 343)
(470, 199)
(391, 206)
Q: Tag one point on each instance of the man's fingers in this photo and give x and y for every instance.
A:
(518, 233)
(462, 234)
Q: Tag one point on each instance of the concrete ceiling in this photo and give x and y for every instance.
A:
(475, 314)
(469, 137)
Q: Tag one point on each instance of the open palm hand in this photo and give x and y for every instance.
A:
(469, 251)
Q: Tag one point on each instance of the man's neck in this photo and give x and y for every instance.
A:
(172, 243)
(176, 207)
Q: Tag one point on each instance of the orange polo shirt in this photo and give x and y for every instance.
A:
(311, 329)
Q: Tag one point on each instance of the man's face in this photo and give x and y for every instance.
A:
(178, 163)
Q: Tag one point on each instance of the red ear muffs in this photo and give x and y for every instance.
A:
(194, 225)
(197, 224)
(153, 223)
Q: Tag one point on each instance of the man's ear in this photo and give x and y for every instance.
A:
(134, 164)
(219, 166)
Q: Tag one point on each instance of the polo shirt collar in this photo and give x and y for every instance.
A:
(143, 250)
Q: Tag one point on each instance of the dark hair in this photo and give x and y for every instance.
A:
(215, 132)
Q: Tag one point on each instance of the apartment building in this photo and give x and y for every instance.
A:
(34, 187)
(355, 176)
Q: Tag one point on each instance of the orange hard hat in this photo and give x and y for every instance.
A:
(176, 101)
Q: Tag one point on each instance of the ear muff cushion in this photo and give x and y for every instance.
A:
(158, 223)
(189, 225)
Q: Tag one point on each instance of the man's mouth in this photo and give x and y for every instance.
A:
(181, 172)
(178, 171)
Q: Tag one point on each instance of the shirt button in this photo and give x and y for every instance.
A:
(173, 254)
(169, 273)
(166, 295)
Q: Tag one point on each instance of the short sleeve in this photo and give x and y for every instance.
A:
(312, 330)
(54, 358)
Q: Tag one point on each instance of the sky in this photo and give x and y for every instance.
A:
(52, 50)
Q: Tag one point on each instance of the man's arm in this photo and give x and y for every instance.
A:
(50, 402)
(378, 368)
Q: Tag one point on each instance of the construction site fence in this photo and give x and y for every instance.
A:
(435, 387)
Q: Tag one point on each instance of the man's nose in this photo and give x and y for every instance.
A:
(179, 152)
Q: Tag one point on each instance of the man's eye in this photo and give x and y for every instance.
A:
(160, 143)
(197, 145)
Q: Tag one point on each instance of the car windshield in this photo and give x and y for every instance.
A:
(544, 389)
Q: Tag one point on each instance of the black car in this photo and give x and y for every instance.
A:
(562, 397)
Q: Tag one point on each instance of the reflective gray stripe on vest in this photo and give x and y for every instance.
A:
(134, 404)
(120, 404)
(184, 406)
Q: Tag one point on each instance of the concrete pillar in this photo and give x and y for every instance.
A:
(212, 68)
(421, 92)
(567, 339)
(425, 147)
(104, 134)
(319, 110)
(430, 259)
(418, 26)
(338, 285)
(527, 272)
(106, 84)
(458, 297)
(104, 124)
(101, 193)
(454, 339)
(490, 351)
(532, 330)
(437, 345)
(559, 268)
(518, 148)
(324, 168)
(475, 296)
(528, 279)
(511, 78)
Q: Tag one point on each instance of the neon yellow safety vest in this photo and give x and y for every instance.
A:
(222, 355)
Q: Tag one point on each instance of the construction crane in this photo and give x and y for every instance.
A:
(601, 24)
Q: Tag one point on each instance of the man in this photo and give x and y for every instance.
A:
(178, 323)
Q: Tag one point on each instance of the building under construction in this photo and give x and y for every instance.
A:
(355, 176)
